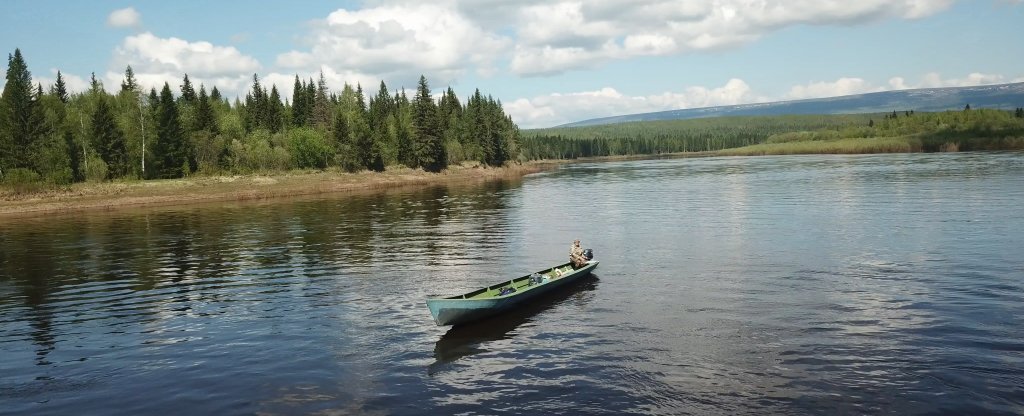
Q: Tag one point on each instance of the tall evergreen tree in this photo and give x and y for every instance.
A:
(60, 89)
(74, 157)
(129, 84)
(215, 95)
(171, 151)
(428, 146)
(300, 107)
(256, 107)
(362, 134)
(404, 131)
(321, 105)
(275, 111)
(95, 86)
(23, 119)
(206, 120)
(108, 140)
(188, 93)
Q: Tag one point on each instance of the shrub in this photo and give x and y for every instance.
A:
(22, 181)
(309, 149)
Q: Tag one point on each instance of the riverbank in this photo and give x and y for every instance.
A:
(124, 194)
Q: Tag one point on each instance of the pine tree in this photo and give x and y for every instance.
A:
(23, 122)
(215, 95)
(300, 109)
(380, 118)
(60, 89)
(95, 86)
(206, 120)
(428, 146)
(188, 93)
(404, 130)
(321, 105)
(170, 151)
(275, 111)
(129, 84)
(362, 135)
(74, 157)
(108, 140)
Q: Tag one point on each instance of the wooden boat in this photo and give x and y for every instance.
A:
(491, 300)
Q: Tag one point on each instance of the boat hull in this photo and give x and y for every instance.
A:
(463, 309)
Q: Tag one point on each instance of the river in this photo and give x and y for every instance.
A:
(761, 285)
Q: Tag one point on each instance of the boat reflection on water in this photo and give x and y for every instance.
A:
(465, 340)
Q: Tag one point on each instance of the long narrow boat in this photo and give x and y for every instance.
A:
(491, 300)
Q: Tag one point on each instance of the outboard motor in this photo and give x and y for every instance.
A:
(588, 254)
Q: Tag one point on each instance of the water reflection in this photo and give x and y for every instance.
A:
(466, 340)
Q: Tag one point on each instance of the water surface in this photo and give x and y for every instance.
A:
(769, 285)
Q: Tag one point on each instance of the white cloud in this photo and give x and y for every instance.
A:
(398, 43)
(127, 17)
(73, 83)
(555, 109)
(566, 35)
(156, 60)
(842, 86)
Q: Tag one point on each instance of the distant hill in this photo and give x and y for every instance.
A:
(1004, 96)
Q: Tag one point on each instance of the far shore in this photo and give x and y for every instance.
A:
(201, 189)
(95, 196)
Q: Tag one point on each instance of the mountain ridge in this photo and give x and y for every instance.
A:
(1001, 96)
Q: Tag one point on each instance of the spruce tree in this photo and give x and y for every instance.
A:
(215, 95)
(60, 89)
(74, 157)
(428, 146)
(206, 120)
(321, 105)
(95, 86)
(188, 93)
(108, 140)
(404, 131)
(23, 121)
(170, 152)
(129, 84)
(300, 109)
(275, 111)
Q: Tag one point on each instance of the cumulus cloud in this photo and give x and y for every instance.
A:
(841, 86)
(559, 36)
(447, 38)
(554, 109)
(126, 17)
(156, 60)
(400, 42)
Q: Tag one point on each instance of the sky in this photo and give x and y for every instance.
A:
(549, 62)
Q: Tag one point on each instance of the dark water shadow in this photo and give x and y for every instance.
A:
(465, 340)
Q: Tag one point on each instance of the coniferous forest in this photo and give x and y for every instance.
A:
(52, 136)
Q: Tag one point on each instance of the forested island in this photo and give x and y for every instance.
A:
(54, 143)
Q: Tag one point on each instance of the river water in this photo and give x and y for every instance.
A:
(764, 285)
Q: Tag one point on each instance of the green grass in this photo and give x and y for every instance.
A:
(837, 146)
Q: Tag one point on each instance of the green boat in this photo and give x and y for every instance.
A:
(491, 300)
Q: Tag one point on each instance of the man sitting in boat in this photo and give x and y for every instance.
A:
(576, 256)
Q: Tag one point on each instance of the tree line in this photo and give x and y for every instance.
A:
(671, 136)
(54, 136)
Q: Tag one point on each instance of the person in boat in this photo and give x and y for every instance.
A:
(576, 256)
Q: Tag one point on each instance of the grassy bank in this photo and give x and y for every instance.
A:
(122, 194)
(838, 146)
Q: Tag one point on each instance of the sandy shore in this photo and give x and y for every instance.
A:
(116, 195)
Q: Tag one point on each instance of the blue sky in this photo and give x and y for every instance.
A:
(549, 62)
